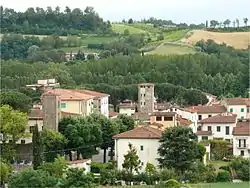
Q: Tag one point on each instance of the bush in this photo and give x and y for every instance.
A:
(223, 176)
(160, 37)
(97, 167)
(167, 174)
(172, 183)
(197, 173)
(241, 167)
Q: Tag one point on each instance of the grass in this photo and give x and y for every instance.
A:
(119, 28)
(172, 48)
(221, 185)
(174, 36)
(218, 164)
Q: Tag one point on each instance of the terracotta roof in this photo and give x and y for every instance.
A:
(204, 133)
(67, 95)
(144, 132)
(162, 106)
(184, 122)
(238, 101)
(93, 93)
(113, 114)
(68, 114)
(221, 118)
(161, 113)
(36, 114)
(203, 109)
(242, 129)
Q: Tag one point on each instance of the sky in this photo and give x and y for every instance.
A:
(188, 11)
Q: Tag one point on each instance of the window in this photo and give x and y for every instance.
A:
(142, 163)
(227, 130)
(209, 115)
(244, 143)
(242, 117)
(239, 143)
(199, 128)
(242, 152)
(199, 117)
(141, 103)
(158, 118)
(144, 94)
(242, 109)
(22, 141)
(141, 148)
(168, 118)
(218, 128)
(58, 104)
(204, 137)
(63, 105)
(144, 103)
(32, 128)
(248, 109)
(209, 128)
(231, 110)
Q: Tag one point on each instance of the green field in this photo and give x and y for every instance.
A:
(172, 48)
(221, 185)
(119, 28)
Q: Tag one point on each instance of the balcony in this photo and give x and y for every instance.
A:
(247, 146)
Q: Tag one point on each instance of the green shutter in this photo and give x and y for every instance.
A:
(242, 110)
(63, 105)
(231, 110)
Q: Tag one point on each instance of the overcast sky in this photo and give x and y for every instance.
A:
(189, 11)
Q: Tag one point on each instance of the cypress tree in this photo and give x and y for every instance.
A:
(37, 148)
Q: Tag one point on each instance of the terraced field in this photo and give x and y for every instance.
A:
(119, 28)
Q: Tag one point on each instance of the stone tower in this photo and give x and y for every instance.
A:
(51, 110)
(146, 97)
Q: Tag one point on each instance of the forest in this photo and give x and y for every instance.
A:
(41, 21)
(217, 69)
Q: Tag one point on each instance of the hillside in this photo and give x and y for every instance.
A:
(238, 40)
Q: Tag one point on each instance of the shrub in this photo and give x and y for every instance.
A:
(241, 167)
(197, 173)
(160, 37)
(223, 176)
(167, 174)
(97, 167)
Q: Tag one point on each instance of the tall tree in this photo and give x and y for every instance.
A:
(245, 21)
(179, 149)
(53, 143)
(13, 125)
(237, 22)
(17, 100)
(37, 148)
(131, 160)
(227, 22)
(5, 172)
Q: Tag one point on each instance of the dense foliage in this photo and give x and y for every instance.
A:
(46, 22)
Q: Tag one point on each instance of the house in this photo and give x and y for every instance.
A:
(167, 119)
(239, 106)
(144, 138)
(84, 163)
(204, 111)
(241, 139)
(127, 107)
(221, 126)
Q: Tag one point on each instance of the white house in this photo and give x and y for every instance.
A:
(84, 163)
(145, 139)
(241, 139)
(221, 125)
(239, 106)
(127, 107)
(204, 111)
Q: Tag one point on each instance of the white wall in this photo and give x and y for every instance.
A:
(237, 150)
(149, 153)
(126, 111)
(86, 165)
(206, 115)
(222, 133)
(105, 106)
(237, 110)
(188, 115)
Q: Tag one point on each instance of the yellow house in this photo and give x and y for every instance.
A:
(167, 119)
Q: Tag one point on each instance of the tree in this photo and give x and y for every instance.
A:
(227, 22)
(160, 37)
(237, 22)
(53, 143)
(80, 56)
(37, 148)
(32, 52)
(17, 100)
(32, 178)
(126, 123)
(178, 148)
(56, 168)
(5, 172)
(13, 125)
(90, 57)
(214, 23)
(131, 160)
(76, 177)
(219, 149)
(245, 21)
(126, 32)
(130, 21)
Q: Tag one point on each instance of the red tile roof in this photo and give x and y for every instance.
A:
(143, 132)
(93, 93)
(221, 118)
(203, 109)
(205, 133)
(113, 114)
(69, 95)
(184, 122)
(238, 101)
(127, 105)
(161, 113)
(36, 114)
(242, 129)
